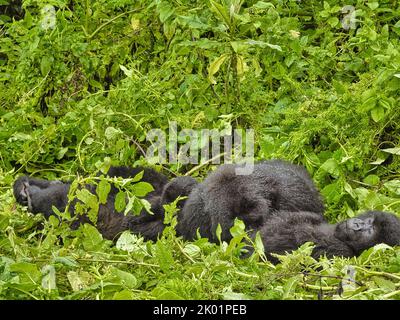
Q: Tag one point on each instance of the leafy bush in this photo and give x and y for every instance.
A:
(82, 82)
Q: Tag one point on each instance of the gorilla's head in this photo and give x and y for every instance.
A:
(369, 229)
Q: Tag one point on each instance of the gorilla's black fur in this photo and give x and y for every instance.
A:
(272, 186)
(278, 199)
(41, 195)
(286, 231)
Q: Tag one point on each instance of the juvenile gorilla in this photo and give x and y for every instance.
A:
(287, 231)
(272, 186)
(40, 195)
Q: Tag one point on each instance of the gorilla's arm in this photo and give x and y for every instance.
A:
(179, 186)
(156, 179)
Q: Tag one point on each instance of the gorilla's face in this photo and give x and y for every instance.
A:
(358, 233)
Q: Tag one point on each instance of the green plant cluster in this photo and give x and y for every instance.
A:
(82, 82)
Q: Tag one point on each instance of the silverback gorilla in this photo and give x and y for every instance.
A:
(278, 199)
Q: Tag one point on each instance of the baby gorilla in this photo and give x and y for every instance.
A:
(272, 186)
(41, 195)
(286, 231)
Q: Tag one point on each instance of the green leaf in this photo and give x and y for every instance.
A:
(290, 287)
(165, 11)
(124, 278)
(258, 244)
(103, 189)
(29, 269)
(238, 228)
(111, 133)
(138, 177)
(214, 67)
(333, 21)
(263, 5)
(141, 189)
(384, 283)
(372, 180)
(392, 150)
(221, 12)
(49, 278)
(46, 64)
(373, 5)
(120, 201)
(331, 166)
(123, 295)
(92, 239)
(161, 293)
(164, 256)
(191, 250)
(378, 113)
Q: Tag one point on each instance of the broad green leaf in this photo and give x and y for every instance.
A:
(120, 201)
(165, 11)
(141, 189)
(378, 113)
(384, 283)
(372, 179)
(103, 189)
(331, 166)
(92, 239)
(111, 133)
(29, 269)
(138, 176)
(214, 67)
(191, 250)
(124, 278)
(238, 228)
(46, 64)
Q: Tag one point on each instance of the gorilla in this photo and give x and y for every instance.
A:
(278, 199)
(273, 186)
(41, 195)
(286, 231)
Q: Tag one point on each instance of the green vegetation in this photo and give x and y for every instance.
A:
(80, 90)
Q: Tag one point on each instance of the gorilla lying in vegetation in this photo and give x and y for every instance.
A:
(223, 196)
(286, 231)
(278, 199)
(41, 195)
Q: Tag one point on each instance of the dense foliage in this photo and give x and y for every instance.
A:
(82, 82)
